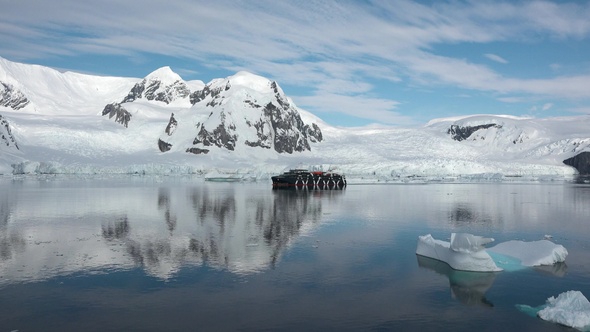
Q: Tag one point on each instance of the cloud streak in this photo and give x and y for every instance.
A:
(337, 49)
(495, 58)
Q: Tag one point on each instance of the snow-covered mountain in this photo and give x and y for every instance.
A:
(54, 122)
(242, 110)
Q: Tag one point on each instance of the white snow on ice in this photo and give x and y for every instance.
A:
(467, 252)
(534, 253)
(569, 308)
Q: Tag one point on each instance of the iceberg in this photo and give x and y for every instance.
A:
(570, 309)
(535, 253)
(467, 252)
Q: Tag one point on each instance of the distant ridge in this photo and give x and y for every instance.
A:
(54, 122)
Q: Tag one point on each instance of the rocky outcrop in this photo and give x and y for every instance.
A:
(460, 133)
(164, 146)
(581, 162)
(121, 115)
(172, 123)
(170, 128)
(12, 97)
(222, 136)
(197, 151)
(288, 128)
(263, 133)
(156, 90)
(210, 90)
(6, 137)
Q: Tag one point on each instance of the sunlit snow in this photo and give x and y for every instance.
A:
(62, 130)
(467, 252)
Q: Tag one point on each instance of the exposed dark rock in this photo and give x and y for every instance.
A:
(121, 115)
(164, 146)
(197, 96)
(135, 93)
(264, 139)
(289, 129)
(6, 134)
(197, 151)
(220, 137)
(581, 162)
(283, 102)
(200, 95)
(154, 90)
(252, 104)
(459, 133)
(314, 133)
(12, 97)
(172, 123)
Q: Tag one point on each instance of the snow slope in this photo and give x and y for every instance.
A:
(248, 125)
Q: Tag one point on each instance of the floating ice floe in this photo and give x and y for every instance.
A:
(535, 253)
(570, 309)
(467, 252)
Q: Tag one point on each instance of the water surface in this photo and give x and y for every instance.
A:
(177, 254)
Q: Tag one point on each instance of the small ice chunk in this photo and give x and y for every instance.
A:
(535, 253)
(570, 309)
(464, 252)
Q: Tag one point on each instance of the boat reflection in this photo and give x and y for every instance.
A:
(160, 230)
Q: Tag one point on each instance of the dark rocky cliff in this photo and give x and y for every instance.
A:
(581, 162)
(6, 137)
(460, 133)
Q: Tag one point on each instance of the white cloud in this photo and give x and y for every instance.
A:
(338, 50)
(495, 58)
(376, 109)
(547, 106)
(511, 99)
(555, 66)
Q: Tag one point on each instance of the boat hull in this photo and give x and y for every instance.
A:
(310, 180)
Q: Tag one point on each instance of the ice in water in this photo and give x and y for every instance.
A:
(570, 308)
(467, 252)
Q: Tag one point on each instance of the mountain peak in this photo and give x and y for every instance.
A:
(251, 81)
(162, 85)
(164, 74)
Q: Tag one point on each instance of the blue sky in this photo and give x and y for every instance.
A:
(352, 63)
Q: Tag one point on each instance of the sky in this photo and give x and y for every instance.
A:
(351, 63)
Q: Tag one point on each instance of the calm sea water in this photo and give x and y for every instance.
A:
(180, 254)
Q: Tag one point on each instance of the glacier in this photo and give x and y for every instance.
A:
(60, 123)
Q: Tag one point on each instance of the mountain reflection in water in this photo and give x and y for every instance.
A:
(157, 229)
